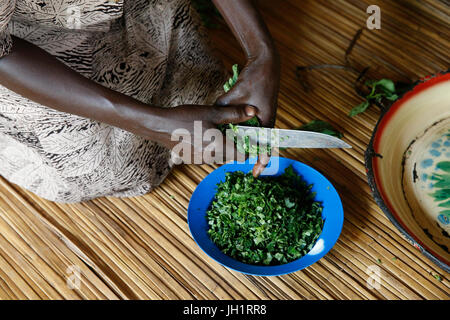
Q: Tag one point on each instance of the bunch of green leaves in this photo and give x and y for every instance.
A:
(207, 11)
(265, 221)
(379, 90)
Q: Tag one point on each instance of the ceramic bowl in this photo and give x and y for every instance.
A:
(333, 215)
(408, 162)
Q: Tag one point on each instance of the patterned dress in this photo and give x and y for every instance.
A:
(152, 50)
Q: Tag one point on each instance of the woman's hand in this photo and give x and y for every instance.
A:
(190, 122)
(259, 81)
(257, 85)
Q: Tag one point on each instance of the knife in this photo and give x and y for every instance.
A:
(282, 138)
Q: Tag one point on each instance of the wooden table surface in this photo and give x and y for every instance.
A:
(140, 248)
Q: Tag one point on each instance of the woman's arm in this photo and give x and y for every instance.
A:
(249, 29)
(259, 81)
(38, 76)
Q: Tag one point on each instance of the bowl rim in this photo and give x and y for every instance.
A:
(372, 160)
(279, 269)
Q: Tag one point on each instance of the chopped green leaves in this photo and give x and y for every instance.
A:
(265, 221)
(384, 88)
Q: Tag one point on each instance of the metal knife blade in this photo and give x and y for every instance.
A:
(282, 138)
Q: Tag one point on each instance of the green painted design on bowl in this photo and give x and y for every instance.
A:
(441, 185)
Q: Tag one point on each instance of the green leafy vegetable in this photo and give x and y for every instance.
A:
(384, 88)
(265, 221)
(321, 127)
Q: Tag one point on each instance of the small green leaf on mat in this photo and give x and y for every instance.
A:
(379, 261)
(437, 277)
(321, 127)
(359, 108)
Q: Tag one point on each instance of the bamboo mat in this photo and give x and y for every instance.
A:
(140, 248)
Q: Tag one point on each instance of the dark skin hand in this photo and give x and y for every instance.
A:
(259, 81)
(55, 85)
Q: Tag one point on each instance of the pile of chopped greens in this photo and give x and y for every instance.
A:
(265, 221)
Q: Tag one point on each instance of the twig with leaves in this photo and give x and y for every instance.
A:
(383, 88)
(373, 91)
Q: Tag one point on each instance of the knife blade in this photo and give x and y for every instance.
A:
(283, 138)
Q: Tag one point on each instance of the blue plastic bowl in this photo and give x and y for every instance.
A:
(333, 215)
